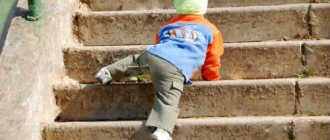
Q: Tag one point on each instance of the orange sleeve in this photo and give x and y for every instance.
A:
(157, 39)
(210, 69)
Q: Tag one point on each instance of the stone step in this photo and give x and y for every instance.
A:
(250, 128)
(203, 99)
(240, 61)
(239, 24)
(320, 20)
(119, 5)
(317, 56)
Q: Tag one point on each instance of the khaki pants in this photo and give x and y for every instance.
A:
(167, 82)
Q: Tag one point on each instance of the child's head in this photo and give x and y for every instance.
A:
(190, 6)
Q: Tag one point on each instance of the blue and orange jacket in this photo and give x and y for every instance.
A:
(190, 42)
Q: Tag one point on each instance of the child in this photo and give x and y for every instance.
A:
(186, 43)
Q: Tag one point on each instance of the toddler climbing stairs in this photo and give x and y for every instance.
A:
(275, 73)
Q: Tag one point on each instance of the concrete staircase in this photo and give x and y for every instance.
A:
(275, 73)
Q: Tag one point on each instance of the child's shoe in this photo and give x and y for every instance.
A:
(161, 134)
(103, 76)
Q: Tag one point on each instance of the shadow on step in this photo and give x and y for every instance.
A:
(143, 133)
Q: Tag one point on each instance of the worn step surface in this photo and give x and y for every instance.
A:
(239, 24)
(240, 60)
(203, 99)
(114, 5)
(254, 128)
(320, 20)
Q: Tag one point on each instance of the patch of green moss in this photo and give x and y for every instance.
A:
(306, 73)
(314, 114)
(143, 78)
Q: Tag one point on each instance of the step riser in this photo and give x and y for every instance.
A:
(236, 24)
(320, 20)
(317, 56)
(212, 129)
(315, 97)
(83, 64)
(240, 61)
(114, 5)
(117, 102)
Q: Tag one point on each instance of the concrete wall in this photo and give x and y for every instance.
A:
(30, 63)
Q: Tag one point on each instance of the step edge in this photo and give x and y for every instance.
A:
(198, 121)
(209, 10)
(282, 81)
(226, 45)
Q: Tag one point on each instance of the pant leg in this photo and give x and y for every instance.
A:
(168, 85)
(119, 69)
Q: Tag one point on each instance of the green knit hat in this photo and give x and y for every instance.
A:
(190, 6)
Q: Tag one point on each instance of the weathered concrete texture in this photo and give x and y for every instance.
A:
(254, 128)
(315, 96)
(134, 101)
(261, 60)
(107, 28)
(317, 56)
(118, 5)
(240, 60)
(320, 20)
(230, 3)
(83, 63)
(241, 24)
(31, 61)
(312, 128)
